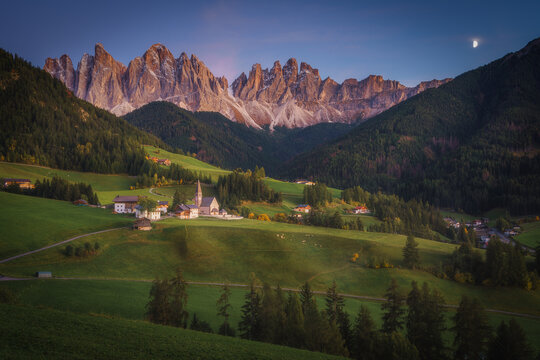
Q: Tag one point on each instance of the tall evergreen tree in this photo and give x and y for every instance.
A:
(250, 324)
(335, 310)
(179, 298)
(510, 342)
(224, 310)
(425, 322)
(411, 257)
(394, 346)
(294, 325)
(158, 308)
(364, 336)
(393, 309)
(472, 330)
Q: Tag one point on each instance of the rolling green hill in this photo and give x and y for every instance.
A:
(43, 123)
(219, 141)
(51, 335)
(28, 223)
(471, 144)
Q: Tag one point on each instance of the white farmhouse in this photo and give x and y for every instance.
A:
(125, 204)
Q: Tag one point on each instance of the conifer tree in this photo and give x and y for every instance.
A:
(179, 297)
(224, 310)
(425, 322)
(411, 257)
(335, 305)
(471, 330)
(158, 308)
(250, 324)
(294, 325)
(510, 342)
(393, 309)
(364, 336)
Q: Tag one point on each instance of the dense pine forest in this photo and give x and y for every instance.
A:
(238, 186)
(221, 142)
(472, 144)
(43, 123)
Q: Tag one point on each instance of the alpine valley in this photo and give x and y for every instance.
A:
(283, 96)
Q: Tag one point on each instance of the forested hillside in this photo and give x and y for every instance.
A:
(219, 141)
(473, 143)
(44, 123)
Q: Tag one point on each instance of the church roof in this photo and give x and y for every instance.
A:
(206, 201)
(199, 191)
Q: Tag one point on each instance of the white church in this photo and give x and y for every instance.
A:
(201, 206)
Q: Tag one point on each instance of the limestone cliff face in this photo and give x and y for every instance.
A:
(292, 97)
(289, 95)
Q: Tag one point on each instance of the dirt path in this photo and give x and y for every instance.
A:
(327, 272)
(151, 191)
(351, 296)
(57, 244)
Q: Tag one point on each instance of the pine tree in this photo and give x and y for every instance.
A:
(294, 325)
(425, 322)
(393, 309)
(335, 305)
(268, 314)
(224, 310)
(411, 257)
(158, 307)
(179, 298)
(471, 330)
(250, 324)
(364, 336)
(510, 342)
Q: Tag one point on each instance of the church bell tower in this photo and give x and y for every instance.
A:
(197, 200)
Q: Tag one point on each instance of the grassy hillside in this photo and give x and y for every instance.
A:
(470, 144)
(127, 299)
(275, 252)
(28, 223)
(530, 235)
(50, 334)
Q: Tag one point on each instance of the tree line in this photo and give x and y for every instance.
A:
(58, 189)
(413, 325)
(238, 186)
(398, 216)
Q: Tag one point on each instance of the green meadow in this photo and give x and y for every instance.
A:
(221, 251)
(36, 333)
(530, 235)
(28, 223)
(127, 299)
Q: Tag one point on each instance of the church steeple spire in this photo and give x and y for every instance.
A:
(198, 194)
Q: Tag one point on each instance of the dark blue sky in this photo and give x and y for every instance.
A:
(409, 41)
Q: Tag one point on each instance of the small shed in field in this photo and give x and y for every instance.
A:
(142, 224)
(43, 274)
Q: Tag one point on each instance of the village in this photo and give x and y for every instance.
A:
(147, 211)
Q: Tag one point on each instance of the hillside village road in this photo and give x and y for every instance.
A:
(57, 244)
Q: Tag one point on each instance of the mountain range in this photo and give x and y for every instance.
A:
(289, 96)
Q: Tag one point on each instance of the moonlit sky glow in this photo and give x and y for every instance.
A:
(406, 41)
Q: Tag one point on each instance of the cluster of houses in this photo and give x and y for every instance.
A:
(201, 206)
(23, 183)
(165, 162)
(304, 182)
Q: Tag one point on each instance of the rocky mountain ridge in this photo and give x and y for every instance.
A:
(289, 96)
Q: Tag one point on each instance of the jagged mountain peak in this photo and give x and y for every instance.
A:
(291, 95)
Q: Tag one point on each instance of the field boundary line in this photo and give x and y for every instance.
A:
(59, 243)
(204, 283)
